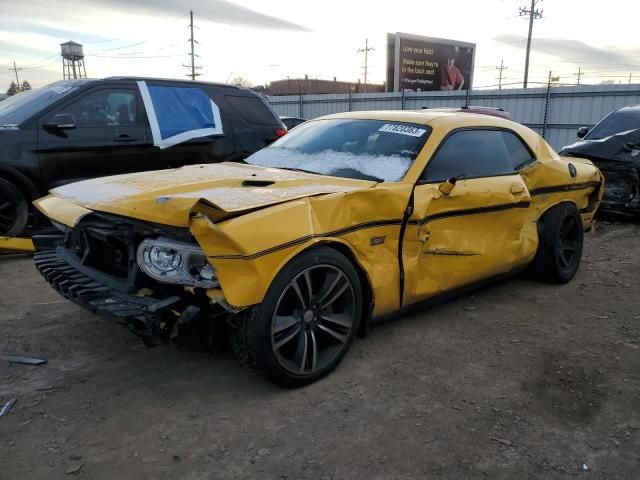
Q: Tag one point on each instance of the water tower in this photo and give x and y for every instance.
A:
(72, 60)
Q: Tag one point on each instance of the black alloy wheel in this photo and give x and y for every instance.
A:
(306, 322)
(561, 237)
(313, 319)
(569, 242)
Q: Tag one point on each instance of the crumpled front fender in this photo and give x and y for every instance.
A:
(250, 250)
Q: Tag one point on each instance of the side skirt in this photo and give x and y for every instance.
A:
(445, 296)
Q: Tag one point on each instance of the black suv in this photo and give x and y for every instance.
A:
(78, 129)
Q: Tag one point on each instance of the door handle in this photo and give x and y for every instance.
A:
(124, 137)
(517, 189)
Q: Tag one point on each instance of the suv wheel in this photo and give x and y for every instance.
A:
(14, 210)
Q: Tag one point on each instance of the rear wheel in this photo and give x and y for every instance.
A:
(14, 210)
(307, 321)
(560, 248)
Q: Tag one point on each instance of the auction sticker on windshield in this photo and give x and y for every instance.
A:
(59, 89)
(402, 129)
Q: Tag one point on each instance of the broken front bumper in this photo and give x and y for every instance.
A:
(622, 187)
(140, 314)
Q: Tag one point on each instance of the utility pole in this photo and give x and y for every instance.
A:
(533, 14)
(501, 68)
(16, 70)
(192, 67)
(366, 51)
(579, 74)
(630, 75)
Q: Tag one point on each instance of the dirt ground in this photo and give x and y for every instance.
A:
(518, 380)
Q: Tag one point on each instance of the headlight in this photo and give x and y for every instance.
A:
(169, 261)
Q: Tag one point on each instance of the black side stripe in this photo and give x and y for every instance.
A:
(563, 188)
(298, 241)
(470, 211)
(378, 223)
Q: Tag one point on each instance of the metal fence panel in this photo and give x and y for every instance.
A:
(568, 108)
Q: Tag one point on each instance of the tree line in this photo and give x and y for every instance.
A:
(15, 88)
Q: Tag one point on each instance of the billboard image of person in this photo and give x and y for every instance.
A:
(451, 77)
(416, 63)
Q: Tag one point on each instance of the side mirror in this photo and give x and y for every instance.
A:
(447, 187)
(582, 131)
(61, 121)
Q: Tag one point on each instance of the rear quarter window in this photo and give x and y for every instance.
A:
(252, 109)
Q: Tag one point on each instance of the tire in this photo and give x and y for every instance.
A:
(298, 335)
(14, 209)
(560, 247)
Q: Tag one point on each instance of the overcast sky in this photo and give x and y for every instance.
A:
(265, 41)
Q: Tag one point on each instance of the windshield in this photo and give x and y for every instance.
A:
(376, 150)
(615, 123)
(21, 106)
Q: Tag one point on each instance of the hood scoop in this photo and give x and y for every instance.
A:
(257, 183)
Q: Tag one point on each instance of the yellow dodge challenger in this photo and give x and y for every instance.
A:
(347, 219)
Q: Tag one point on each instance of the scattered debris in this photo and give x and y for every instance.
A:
(503, 441)
(74, 469)
(264, 451)
(24, 360)
(7, 407)
(292, 452)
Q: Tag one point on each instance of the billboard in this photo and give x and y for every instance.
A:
(418, 64)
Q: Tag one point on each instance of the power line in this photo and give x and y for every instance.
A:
(192, 41)
(134, 57)
(533, 14)
(501, 68)
(16, 70)
(366, 51)
(124, 46)
(109, 40)
(579, 74)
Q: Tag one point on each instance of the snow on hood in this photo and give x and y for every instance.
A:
(167, 195)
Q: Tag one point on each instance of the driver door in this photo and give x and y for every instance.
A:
(478, 230)
(108, 135)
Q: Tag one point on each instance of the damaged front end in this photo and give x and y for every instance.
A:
(618, 158)
(151, 278)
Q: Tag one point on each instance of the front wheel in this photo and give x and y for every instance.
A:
(307, 321)
(560, 248)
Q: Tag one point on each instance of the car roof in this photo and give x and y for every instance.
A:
(630, 109)
(409, 116)
(478, 110)
(174, 81)
(428, 117)
(446, 121)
